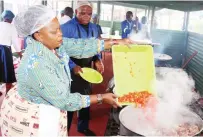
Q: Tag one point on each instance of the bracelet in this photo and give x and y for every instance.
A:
(99, 98)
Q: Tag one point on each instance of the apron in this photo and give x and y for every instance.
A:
(22, 118)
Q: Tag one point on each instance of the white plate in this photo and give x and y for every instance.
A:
(160, 56)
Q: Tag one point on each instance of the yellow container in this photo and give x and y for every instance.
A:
(134, 69)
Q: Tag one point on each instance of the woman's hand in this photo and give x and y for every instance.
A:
(125, 41)
(109, 43)
(110, 98)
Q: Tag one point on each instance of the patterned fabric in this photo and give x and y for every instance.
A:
(73, 29)
(43, 78)
(22, 118)
(81, 48)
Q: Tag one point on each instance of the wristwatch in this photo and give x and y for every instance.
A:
(99, 98)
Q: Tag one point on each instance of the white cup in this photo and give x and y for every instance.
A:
(116, 33)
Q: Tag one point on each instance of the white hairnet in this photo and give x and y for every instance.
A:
(83, 3)
(33, 19)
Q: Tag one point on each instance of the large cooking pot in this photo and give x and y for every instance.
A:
(124, 130)
(132, 125)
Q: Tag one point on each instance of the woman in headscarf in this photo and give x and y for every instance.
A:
(37, 105)
(8, 38)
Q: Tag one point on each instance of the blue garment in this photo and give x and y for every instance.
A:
(126, 27)
(45, 79)
(7, 73)
(73, 29)
(25, 45)
(7, 15)
(99, 29)
(71, 63)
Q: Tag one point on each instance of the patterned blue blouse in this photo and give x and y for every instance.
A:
(44, 78)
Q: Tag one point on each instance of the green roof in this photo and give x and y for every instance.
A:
(176, 5)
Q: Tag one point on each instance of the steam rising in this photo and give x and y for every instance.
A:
(174, 86)
(140, 36)
(144, 35)
(175, 92)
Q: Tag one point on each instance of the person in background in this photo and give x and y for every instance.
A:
(68, 15)
(145, 29)
(8, 38)
(137, 25)
(127, 25)
(155, 23)
(81, 27)
(95, 20)
(62, 13)
(37, 105)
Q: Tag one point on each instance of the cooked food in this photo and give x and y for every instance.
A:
(185, 129)
(139, 98)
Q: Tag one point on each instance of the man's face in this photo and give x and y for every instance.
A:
(129, 16)
(84, 14)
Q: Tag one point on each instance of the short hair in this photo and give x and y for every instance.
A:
(129, 12)
(68, 10)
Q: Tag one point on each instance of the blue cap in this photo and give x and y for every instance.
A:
(7, 15)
